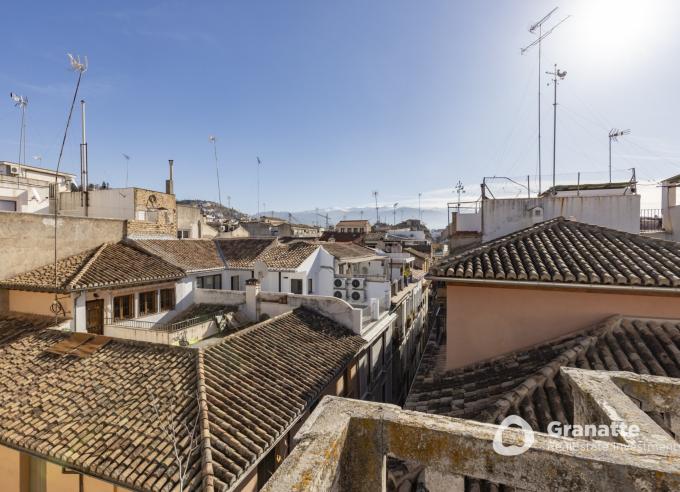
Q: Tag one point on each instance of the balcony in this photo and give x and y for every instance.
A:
(185, 329)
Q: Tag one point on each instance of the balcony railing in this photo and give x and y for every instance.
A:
(166, 327)
(650, 220)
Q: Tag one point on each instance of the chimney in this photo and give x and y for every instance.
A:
(169, 188)
(252, 293)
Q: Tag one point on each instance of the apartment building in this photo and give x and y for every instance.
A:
(28, 189)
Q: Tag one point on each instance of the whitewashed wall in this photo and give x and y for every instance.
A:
(505, 216)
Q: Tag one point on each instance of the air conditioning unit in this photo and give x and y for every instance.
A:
(357, 295)
(14, 170)
(340, 294)
(357, 283)
(339, 283)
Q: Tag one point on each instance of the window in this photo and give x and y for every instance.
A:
(147, 303)
(235, 282)
(296, 286)
(8, 205)
(123, 307)
(309, 286)
(209, 282)
(167, 299)
(183, 234)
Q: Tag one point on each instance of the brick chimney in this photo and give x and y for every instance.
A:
(252, 292)
(169, 187)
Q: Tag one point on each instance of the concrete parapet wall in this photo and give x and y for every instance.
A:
(27, 240)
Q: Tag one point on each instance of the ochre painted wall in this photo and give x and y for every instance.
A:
(484, 322)
(37, 302)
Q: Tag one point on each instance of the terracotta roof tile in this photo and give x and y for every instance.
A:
(107, 414)
(565, 251)
(344, 251)
(241, 253)
(110, 265)
(528, 382)
(191, 255)
(287, 256)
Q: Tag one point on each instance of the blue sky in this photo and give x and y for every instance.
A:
(340, 98)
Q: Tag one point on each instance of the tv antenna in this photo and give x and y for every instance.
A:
(213, 139)
(21, 102)
(537, 28)
(614, 133)
(127, 165)
(460, 189)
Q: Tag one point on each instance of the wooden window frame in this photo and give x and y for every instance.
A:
(154, 303)
(171, 305)
(118, 311)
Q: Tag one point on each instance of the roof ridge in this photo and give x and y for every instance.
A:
(207, 472)
(72, 283)
(514, 395)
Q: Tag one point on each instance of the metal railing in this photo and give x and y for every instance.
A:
(167, 327)
(651, 220)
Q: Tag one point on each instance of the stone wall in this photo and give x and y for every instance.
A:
(27, 240)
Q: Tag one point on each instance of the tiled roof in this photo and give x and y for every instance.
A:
(375, 236)
(191, 255)
(110, 265)
(241, 253)
(13, 325)
(566, 251)
(417, 253)
(528, 382)
(341, 237)
(287, 256)
(260, 380)
(108, 414)
(344, 251)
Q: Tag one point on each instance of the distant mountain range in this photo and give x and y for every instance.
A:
(434, 218)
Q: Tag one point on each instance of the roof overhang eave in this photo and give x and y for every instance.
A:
(621, 289)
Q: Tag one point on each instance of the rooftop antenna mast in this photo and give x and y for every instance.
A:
(377, 215)
(614, 133)
(21, 102)
(80, 67)
(258, 186)
(84, 176)
(557, 76)
(420, 214)
(460, 189)
(217, 170)
(537, 28)
(394, 211)
(127, 165)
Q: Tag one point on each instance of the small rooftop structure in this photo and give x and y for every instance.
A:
(591, 189)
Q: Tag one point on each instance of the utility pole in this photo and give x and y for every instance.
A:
(394, 211)
(258, 186)
(377, 216)
(420, 214)
(217, 170)
(614, 133)
(538, 26)
(557, 74)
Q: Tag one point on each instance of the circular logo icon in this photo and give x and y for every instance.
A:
(513, 450)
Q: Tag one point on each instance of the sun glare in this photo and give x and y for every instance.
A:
(620, 28)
